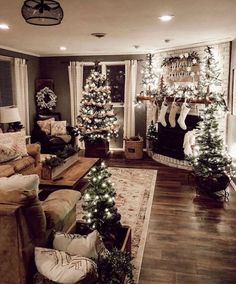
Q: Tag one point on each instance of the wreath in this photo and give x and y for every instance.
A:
(46, 99)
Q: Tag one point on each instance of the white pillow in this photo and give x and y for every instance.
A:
(17, 138)
(58, 127)
(8, 149)
(89, 246)
(28, 182)
(45, 125)
(61, 267)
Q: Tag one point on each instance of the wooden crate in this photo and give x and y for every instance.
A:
(51, 173)
(97, 149)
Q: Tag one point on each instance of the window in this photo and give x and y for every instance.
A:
(6, 81)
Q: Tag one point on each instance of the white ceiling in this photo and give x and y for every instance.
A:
(126, 22)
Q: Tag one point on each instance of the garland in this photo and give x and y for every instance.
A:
(192, 58)
(46, 99)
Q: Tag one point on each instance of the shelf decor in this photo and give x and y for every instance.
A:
(182, 68)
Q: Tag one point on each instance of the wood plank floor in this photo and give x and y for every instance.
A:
(190, 239)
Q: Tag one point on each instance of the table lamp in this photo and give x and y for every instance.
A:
(9, 115)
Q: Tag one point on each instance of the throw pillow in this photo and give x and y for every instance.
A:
(27, 182)
(45, 125)
(8, 152)
(89, 246)
(63, 268)
(23, 190)
(58, 127)
(17, 138)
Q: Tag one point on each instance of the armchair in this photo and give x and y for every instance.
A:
(50, 143)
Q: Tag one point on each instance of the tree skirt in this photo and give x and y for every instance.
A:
(135, 190)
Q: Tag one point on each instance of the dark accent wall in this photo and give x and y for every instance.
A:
(56, 68)
(33, 74)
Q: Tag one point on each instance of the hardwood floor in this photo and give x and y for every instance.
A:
(190, 239)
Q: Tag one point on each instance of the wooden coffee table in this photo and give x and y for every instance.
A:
(71, 177)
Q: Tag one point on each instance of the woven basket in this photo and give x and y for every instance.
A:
(134, 148)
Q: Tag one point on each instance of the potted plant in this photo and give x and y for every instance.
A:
(211, 162)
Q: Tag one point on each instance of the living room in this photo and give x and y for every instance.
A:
(121, 114)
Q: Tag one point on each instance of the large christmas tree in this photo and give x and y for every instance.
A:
(96, 119)
(99, 202)
(210, 159)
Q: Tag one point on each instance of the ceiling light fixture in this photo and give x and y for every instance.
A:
(4, 27)
(98, 35)
(42, 12)
(63, 48)
(166, 18)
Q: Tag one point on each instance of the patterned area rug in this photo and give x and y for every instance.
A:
(135, 190)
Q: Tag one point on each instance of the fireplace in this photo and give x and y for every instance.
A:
(170, 140)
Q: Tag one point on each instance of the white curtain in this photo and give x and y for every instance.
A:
(22, 92)
(75, 70)
(130, 93)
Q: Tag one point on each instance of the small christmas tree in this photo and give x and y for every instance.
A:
(210, 161)
(149, 77)
(99, 202)
(97, 119)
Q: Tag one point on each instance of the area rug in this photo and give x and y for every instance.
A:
(135, 190)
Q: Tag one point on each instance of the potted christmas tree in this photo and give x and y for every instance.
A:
(100, 213)
(211, 163)
(97, 122)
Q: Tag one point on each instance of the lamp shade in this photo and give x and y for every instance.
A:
(42, 12)
(9, 115)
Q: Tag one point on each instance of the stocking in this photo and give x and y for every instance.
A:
(162, 114)
(183, 113)
(189, 142)
(172, 115)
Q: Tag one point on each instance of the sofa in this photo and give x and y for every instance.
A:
(26, 165)
(29, 223)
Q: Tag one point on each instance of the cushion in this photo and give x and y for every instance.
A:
(58, 204)
(22, 164)
(88, 246)
(8, 148)
(45, 125)
(18, 189)
(61, 267)
(16, 138)
(6, 170)
(29, 182)
(58, 127)
(23, 190)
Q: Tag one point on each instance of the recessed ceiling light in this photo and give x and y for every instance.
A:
(4, 27)
(166, 18)
(63, 48)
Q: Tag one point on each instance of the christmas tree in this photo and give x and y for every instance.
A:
(210, 159)
(99, 202)
(149, 77)
(210, 79)
(96, 119)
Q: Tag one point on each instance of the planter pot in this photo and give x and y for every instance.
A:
(97, 149)
(211, 185)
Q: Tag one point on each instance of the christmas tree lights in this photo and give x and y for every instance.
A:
(97, 119)
(99, 202)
